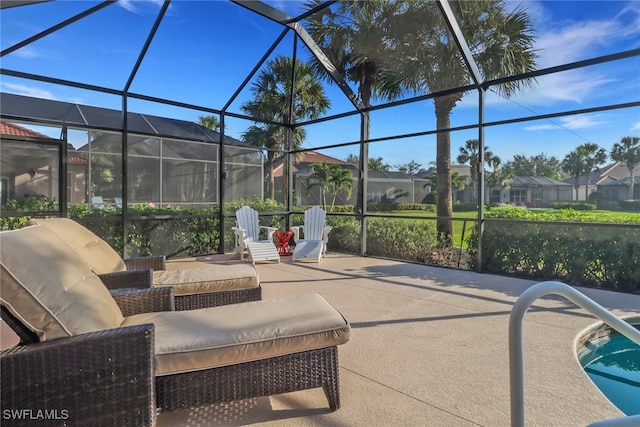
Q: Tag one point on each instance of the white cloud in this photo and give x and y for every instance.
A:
(573, 42)
(631, 12)
(565, 41)
(569, 123)
(28, 91)
(291, 8)
(135, 6)
(27, 52)
(576, 86)
(636, 126)
(130, 5)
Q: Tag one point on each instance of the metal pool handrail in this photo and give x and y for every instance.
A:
(516, 363)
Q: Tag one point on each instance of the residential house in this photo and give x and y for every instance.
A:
(462, 194)
(611, 180)
(30, 166)
(531, 191)
(382, 186)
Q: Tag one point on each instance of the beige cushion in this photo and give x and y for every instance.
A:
(45, 284)
(95, 252)
(103, 259)
(226, 335)
(211, 278)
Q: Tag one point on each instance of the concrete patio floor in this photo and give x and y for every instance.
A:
(428, 347)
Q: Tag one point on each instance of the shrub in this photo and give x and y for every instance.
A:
(465, 207)
(598, 199)
(26, 204)
(630, 205)
(343, 209)
(402, 239)
(266, 205)
(542, 246)
(167, 231)
(381, 207)
(578, 206)
(416, 207)
(431, 198)
(345, 234)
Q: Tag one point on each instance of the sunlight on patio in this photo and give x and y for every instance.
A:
(428, 347)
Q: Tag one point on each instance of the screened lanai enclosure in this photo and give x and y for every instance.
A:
(151, 122)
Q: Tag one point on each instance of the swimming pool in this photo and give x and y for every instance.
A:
(612, 362)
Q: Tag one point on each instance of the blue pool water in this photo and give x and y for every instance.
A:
(613, 364)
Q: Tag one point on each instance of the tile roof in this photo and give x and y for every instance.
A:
(7, 128)
(77, 159)
(520, 181)
(605, 175)
(303, 160)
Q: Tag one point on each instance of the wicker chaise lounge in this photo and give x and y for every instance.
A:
(103, 378)
(206, 285)
(198, 357)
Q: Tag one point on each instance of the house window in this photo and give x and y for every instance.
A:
(495, 196)
(518, 197)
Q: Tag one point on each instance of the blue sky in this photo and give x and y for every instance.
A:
(204, 50)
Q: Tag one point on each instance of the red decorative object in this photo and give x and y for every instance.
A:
(282, 242)
(32, 173)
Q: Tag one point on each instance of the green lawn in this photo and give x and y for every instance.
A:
(459, 217)
(458, 224)
(611, 214)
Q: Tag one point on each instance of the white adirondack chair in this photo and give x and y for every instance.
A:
(97, 202)
(247, 230)
(312, 242)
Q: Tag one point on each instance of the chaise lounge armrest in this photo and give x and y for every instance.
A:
(136, 301)
(156, 262)
(103, 378)
(142, 278)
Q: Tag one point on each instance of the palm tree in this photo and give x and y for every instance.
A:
(320, 177)
(280, 104)
(499, 176)
(429, 61)
(357, 37)
(457, 181)
(573, 164)
(628, 150)
(594, 156)
(210, 122)
(470, 153)
(582, 161)
(341, 179)
(331, 179)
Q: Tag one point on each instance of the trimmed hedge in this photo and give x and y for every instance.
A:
(576, 247)
(345, 234)
(167, 231)
(630, 205)
(578, 206)
(590, 250)
(465, 207)
(387, 207)
(404, 239)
